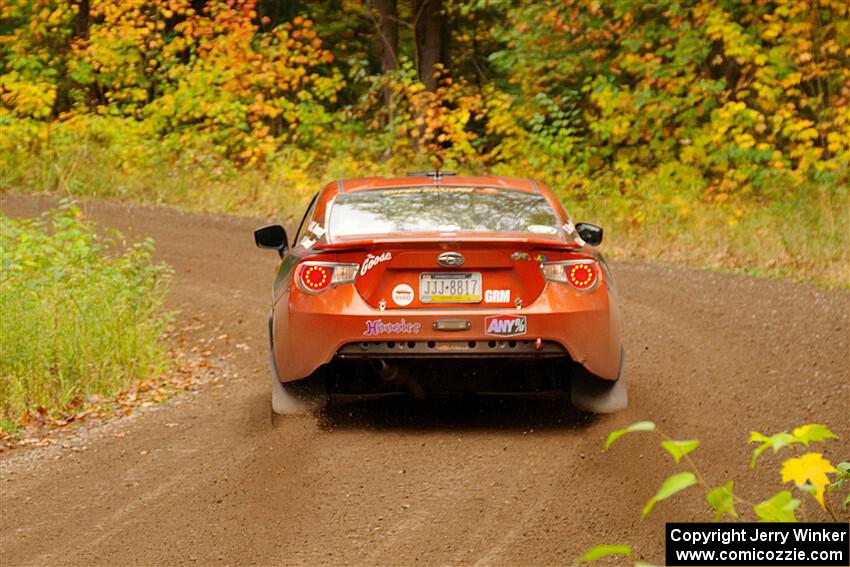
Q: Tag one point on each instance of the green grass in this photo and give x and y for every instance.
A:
(799, 232)
(81, 315)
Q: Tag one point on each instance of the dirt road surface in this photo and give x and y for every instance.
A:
(208, 481)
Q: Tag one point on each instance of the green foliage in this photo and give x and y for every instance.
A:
(812, 433)
(722, 500)
(673, 485)
(736, 90)
(809, 472)
(732, 88)
(601, 551)
(679, 449)
(639, 426)
(775, 442)
(842, 475)
(81, 314)
(779, 508)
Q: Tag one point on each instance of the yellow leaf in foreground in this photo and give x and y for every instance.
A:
(810, 468)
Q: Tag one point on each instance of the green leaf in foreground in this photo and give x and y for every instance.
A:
(601, 551)
(669, 487)
(780, 508)
(842, 475)
(775, 442)
(639, 426)
(679, 449)
(813, 432)
(722, 501)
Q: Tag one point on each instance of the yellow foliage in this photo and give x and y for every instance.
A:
(810, 469)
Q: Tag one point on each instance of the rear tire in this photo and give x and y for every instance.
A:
(301, 397)
(593, 394)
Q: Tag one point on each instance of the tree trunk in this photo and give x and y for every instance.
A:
(82, 19)
(429, 31)
(63, 101)
(386, 20)
(388, 33)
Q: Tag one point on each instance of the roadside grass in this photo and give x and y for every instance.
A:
(798, 233)
(790, 229)
(197, 182)
(81, 315)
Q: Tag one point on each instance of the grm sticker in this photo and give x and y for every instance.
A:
(497, 296)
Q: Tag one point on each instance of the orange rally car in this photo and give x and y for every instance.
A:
(435, 283)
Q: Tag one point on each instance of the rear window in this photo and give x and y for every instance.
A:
(441, 209)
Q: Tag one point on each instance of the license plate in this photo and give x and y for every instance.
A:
(450, 287)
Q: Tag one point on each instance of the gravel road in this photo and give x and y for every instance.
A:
(206, 480)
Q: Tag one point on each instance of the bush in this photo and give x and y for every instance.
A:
(81, 314)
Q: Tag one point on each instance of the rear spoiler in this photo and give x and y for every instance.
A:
(428, 241)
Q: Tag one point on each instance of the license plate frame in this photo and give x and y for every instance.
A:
(469, 279)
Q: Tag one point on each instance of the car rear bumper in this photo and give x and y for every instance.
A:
(502, 348)
(309, 331)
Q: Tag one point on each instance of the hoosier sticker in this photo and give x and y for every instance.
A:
(401, 327)
(505, 325)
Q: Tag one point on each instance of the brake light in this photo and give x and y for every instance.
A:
(581, 274)
(316, 277)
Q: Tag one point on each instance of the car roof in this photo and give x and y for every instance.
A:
(434, 180)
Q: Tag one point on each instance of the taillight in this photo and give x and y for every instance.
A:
(316, 277)
(581, 274)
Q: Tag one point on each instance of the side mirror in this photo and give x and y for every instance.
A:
(273, 237)
(590, 233)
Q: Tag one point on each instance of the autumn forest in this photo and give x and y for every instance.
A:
(699, 128)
